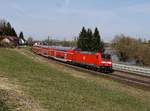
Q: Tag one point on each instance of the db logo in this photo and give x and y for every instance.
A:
(83, 57)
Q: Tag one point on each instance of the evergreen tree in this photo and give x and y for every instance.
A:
(21, 36)
(81, 42)
(88, 40)
(98, 44)
(6, 29)
(13, 32)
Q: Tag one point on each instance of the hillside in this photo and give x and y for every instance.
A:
(30, 83)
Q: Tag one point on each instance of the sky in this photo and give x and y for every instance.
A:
(64, 19)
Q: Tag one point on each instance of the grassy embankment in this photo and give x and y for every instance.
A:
(58, 88)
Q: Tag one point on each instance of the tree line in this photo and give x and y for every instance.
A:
(89, 41)
(6, 29)
(64, 43)
(130, 48)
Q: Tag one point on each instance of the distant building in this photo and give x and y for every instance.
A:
(37, 43)
(8, 41)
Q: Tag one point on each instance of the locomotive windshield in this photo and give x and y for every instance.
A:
(106, 57)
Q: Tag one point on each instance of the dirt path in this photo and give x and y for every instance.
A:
(14, 97)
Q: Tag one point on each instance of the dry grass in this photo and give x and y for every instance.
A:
(15, 98)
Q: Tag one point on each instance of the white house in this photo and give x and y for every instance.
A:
(22, 41)
(8, 41)
(5, 40)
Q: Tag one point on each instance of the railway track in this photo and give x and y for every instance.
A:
(138, 81)
(134, 80)
(130, 79)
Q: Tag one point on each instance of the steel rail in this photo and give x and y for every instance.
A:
(132, 69)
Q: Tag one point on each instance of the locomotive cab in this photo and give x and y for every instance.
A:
(106, 62)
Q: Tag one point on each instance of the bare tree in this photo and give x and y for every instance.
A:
(30, 41)
(131, 48)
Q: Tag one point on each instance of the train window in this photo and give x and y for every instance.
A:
(106, 57)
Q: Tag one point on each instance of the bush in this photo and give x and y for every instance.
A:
(132, 49)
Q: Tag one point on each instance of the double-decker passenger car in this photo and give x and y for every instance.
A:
(97, 61)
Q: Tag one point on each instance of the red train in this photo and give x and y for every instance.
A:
(96, 61)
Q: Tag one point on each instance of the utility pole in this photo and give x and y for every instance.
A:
(48, 40)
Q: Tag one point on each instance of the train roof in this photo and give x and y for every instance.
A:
(59, 47)
(86, 52)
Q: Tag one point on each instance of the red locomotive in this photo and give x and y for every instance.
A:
(97, 61)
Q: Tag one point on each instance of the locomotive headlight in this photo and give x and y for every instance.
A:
(109, 62)
(103, 62)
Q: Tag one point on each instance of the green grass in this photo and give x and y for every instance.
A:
(57, 91)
